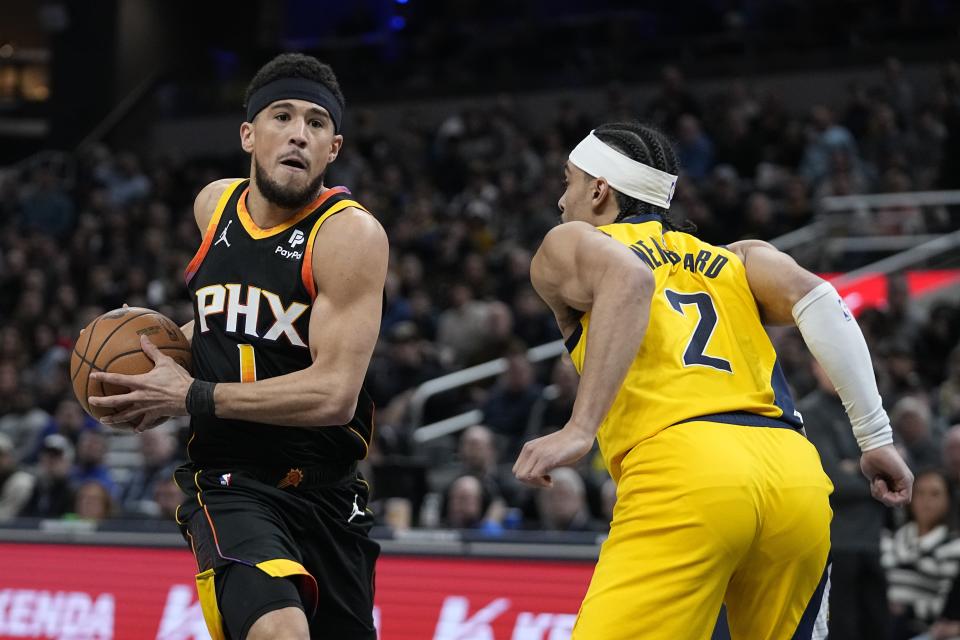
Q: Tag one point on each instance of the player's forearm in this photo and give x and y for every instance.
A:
(618, 323)
(306, 398)
(833, 337)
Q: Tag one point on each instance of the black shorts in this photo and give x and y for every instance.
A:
(307, 525)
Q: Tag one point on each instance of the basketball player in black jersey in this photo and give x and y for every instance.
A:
(287, 289)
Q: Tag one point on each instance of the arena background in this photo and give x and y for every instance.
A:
(831, 128)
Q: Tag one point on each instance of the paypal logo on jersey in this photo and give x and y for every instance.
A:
(296, 238)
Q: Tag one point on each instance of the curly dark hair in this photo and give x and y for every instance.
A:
(651, 147)
(295, 65)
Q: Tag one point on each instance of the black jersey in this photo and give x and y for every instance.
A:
(252, 292)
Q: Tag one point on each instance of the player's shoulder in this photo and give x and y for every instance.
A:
(564, 238)
(742, 248)
(352, 231)
(354, 222)
(206, 201)
(570, 230)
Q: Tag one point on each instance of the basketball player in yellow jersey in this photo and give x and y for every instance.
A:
(720, 497)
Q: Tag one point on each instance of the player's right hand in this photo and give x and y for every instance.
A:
(559, 449)
(891, 481)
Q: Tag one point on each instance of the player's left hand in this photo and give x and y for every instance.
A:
(157, 394)
(539, 457)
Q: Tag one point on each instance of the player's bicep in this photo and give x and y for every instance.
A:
(345, 319)
(776, 280)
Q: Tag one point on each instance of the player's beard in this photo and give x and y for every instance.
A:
(286, 197)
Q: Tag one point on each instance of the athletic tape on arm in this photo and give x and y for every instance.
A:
(835, 340)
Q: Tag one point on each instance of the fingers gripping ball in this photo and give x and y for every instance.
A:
(112, 343)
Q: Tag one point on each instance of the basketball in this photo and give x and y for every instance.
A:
(111, 343)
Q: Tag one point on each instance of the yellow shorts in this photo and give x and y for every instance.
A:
(711, 513)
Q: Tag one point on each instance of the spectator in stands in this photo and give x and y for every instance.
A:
(460, 326)
(911, 426)
(515, 276)
(478, 457)
(719, 205)
(930, 134)
(563, 506)
(826, 139)
(885, 145)
(694, 148)
(797, 207)
(498, 336)
(407, 361)
(158, 448)
(90, 460)
(737, 143)
(93, 501)
(16, 485)
(52, 495)
(902, 316)
(759, 221)
(69, 421)
(951, 454)
(464, 504)
(940, 335)
(397, 306)
(553, 410)
(47, 208)
(124, 180)
(900, 366)
(423, 314)
(898, 90)
(507, 410)
(922, 558)
(671, 101)
(23, 421)
(948, 395)
(533, 322)
(167, 496)
(858, 607)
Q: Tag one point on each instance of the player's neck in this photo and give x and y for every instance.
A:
(605, 218)
(266, 214)
(607, 214)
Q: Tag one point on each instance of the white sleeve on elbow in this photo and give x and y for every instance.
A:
(835, 340)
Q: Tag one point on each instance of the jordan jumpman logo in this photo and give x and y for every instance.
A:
(356, 510)
(223, 236)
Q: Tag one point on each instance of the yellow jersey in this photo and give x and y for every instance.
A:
(705, 355)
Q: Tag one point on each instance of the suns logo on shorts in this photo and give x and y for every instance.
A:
(293, 479)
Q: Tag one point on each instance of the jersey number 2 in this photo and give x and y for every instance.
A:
(694, 353)
(248, 363)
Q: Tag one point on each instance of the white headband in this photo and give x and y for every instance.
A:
(624, 174)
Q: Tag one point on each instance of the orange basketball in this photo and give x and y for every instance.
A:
(112, 343)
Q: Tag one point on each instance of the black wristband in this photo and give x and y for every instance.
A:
(200, 398)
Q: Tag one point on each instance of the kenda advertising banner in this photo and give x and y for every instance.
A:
(73, 592)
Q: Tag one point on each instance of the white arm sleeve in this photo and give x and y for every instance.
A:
(835, 340)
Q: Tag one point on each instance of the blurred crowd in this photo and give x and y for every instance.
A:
(465, 201)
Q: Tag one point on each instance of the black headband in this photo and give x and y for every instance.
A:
(295, 89)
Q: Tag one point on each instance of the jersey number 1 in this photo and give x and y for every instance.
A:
(248, 363)
(694, 353)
